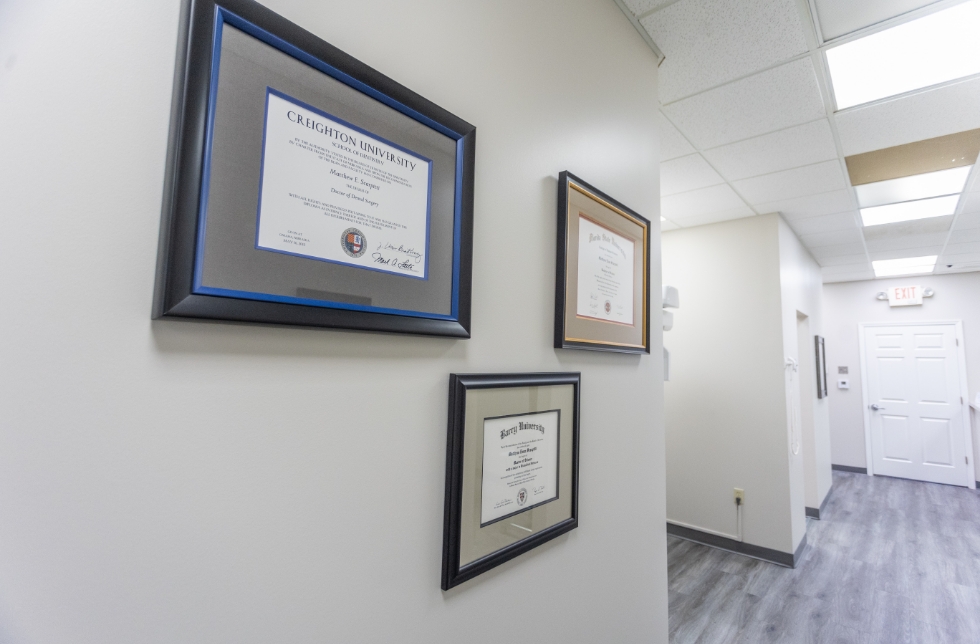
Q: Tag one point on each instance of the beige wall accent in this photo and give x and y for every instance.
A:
(931, 155)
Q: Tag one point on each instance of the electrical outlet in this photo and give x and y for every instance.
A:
(739, 495)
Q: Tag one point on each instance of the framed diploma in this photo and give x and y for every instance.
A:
(304, 187)
(602, 291)
(511, 468)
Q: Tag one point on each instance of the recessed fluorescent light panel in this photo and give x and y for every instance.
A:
(920, 186)
(904, 266)
(894, 213)
(936, 48)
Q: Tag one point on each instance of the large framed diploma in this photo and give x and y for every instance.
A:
(602, 291)
(304, 187)
(511, 468)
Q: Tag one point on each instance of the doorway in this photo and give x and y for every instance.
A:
(807, 393)
(914, 378)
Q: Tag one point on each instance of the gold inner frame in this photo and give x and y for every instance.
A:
(644, 251)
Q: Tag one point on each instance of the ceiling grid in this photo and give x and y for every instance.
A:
(750, 126)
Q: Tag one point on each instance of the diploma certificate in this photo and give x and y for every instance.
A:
(520, 463)
(334, 192)
(605, 273)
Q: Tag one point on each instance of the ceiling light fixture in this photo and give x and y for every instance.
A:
(904, 266)
(919, 186)
(936, 48)
(909, 210)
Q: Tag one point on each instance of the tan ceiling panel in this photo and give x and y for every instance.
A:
(931, 155)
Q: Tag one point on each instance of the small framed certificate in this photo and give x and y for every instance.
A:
(304, 187)
(511, 468)
(602, 290)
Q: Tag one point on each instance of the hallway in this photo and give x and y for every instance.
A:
(891, 561)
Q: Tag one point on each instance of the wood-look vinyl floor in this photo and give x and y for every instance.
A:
(891, 561)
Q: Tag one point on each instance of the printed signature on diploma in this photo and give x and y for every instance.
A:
(400, 257)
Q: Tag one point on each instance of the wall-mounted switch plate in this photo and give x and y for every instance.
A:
(843, 383)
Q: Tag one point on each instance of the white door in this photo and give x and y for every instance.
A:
(917, 424)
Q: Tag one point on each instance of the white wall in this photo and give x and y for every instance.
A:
(729, 401)
(191, 482)
(801, 288)
(725, 404)
(957, 298)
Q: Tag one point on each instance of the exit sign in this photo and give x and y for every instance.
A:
(905, 296)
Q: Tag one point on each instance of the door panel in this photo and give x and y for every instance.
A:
(889, 341)
(928, 340)
(895, 434)
(931, 380)
(937, 442)
(918, 430)
(892, 374)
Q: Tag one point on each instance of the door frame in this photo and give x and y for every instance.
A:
(964, 394)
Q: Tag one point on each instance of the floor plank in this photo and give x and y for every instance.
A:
(890, 561)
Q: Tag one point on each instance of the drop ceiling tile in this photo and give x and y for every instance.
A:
(962, 248)
(839, 17)
(789, 184)
(710, 42)
(687, 173)
(905, 252)
(963, 267)
(834, 238)
(825, 223)
(857, 264)
(934, 112)
(916, 227)
(668, 225)
(790, 148)
(849, 276)
(700, 202)
(715, 217)
(843, 260)
(970, 201)
(911, 243)
(959, 263)
(837, 250)
(811, 206)
(672, 142)
(640, 7)
(965, 221)
(771, 100)
(962, 235)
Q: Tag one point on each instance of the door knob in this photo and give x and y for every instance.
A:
(875, 407)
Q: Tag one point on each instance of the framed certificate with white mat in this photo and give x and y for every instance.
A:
(511, 468)
(602, 291)
(304, 187)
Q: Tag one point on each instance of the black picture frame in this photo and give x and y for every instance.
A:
(460, 385)
(178, 292)
(821, 363)
(600, 339)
